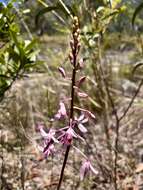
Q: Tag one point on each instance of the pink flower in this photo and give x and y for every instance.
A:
(67, 136)
(80, 121)
(48, 141)
(47, 149)
(85, 168)
(61, 112)
(48, 137)
(82, 94)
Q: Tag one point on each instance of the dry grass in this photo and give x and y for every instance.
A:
(35, 99)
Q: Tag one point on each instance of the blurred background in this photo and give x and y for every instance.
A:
(34, 42)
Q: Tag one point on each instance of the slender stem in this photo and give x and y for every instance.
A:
(116, 154)
(2, 162)
(72, 92)
(63, 167)
(118, 120)
(132, 101)
(71, 115)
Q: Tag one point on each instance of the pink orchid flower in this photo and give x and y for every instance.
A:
(49, 140)
(47, 150)
(67, 136)
(85, 168)
(50, 136)
(80, 122)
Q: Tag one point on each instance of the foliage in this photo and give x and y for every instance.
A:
(16, 54)
(137, 11)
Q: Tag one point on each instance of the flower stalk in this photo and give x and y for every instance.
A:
(75, 46)
(67, 134)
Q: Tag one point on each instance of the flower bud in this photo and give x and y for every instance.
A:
(71, 58)
(62, 71)
(75, 35)
(75, 19)
(71, 44)
(78, 31)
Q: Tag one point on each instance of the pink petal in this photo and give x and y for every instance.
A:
(84, 169)
(85, 120)
(38, 127)
(93, 170)
(82, 95)
(82, 128)
(71, 132)
(81, 80)
(82, 173)
(81, 117)
(90, 114)
(55, 140)
(49, 150)
(58, 115)
(82, 139)
(61, 112)
(62, 71)
(63, 109)
(43, 133)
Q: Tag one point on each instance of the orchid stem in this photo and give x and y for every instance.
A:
(71, 115)
(63, 167)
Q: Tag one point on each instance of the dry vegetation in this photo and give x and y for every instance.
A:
(36, 97)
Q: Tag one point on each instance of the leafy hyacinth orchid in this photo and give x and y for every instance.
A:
(66, 134)
(86, 168)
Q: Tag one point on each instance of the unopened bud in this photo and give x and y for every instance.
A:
(78, 30)
(71, 58)
(75, 19)
(78, 47)
(71, 44)
(75, 35)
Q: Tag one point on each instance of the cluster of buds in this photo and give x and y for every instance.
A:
(75, 42)
(67, 134)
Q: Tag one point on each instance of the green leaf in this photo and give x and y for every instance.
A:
(137, 11)
(43, 11)
(30, 45)
(64, 8)
(110, 14)
(94, 102)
